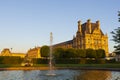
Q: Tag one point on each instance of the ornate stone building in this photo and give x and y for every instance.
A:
(7, 52)
(88, 35)
(34, 53)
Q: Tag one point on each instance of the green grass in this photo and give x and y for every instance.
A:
(40, 65)
(19, 65)
(66, 65)
(9, 65)
(90, 65)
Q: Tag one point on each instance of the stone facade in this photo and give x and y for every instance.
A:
(7, 52)
(34, 53)
(88, 35)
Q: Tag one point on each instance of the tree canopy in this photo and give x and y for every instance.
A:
(45, 51)
(58, 52)
(116, 37)
(78, 53)
(90, 53)
(119, 16)
(81, 53)
(100, 53)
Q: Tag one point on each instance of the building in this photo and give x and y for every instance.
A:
(88, 35)
(34, 53)
(7, 52)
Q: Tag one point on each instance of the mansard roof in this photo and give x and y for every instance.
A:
(85, 28)
(63, 43)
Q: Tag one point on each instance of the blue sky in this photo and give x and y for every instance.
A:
(25, 24)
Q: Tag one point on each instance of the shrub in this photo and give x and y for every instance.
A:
(10, 60)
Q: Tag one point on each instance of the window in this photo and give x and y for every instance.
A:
(104, 41)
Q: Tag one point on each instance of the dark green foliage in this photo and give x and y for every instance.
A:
(78, 53)
(101, 61)
(100, 53)
(58, 53)
(70, 53)
(67, 61)
(82, 56)
(64, 53)
(45, 51)
(78, 61)
(10, 60)
(111, 61)
(116, 37)
(40, 61)
(90, 53)
(82, 60)
(90, 61)
(95, 61)
(81, 53)
(119, 16)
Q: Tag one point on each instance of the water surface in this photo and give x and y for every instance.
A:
(60, 75)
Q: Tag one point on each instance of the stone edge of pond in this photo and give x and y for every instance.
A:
(59, 68)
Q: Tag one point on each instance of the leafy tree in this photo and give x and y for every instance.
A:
(70, 53)
(58, 52)
(45, 51)
(90, 53)
(100, 53)
(64, 53)
(80, 53)
(119, 16)
(10, 60)
(116, 37)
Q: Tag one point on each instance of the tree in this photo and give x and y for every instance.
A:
(45, 51)
(90, 53)
(116, 37)
(58, 52)
(81, 53)
(119, 16)
(64, 53)
(100, 53)
(70, 53)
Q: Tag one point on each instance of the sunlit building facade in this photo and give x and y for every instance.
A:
(7, 52)
(88, 35)
(34, 53)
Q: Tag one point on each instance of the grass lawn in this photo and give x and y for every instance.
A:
(90, 65)
(66, 65)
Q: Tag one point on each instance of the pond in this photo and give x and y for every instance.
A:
(59, 75)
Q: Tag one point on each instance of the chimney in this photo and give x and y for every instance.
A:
(98, 24)
(79, 26)
(89, 25)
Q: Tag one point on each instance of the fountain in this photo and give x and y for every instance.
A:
(51, 71)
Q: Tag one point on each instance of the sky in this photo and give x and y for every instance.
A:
(26, 24)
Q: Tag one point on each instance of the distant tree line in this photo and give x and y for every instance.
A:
(78, 53)
(71, 55)
(10, 60)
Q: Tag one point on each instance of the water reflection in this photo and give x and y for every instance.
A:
(10, 75)
(94, 75)
(60, 75)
